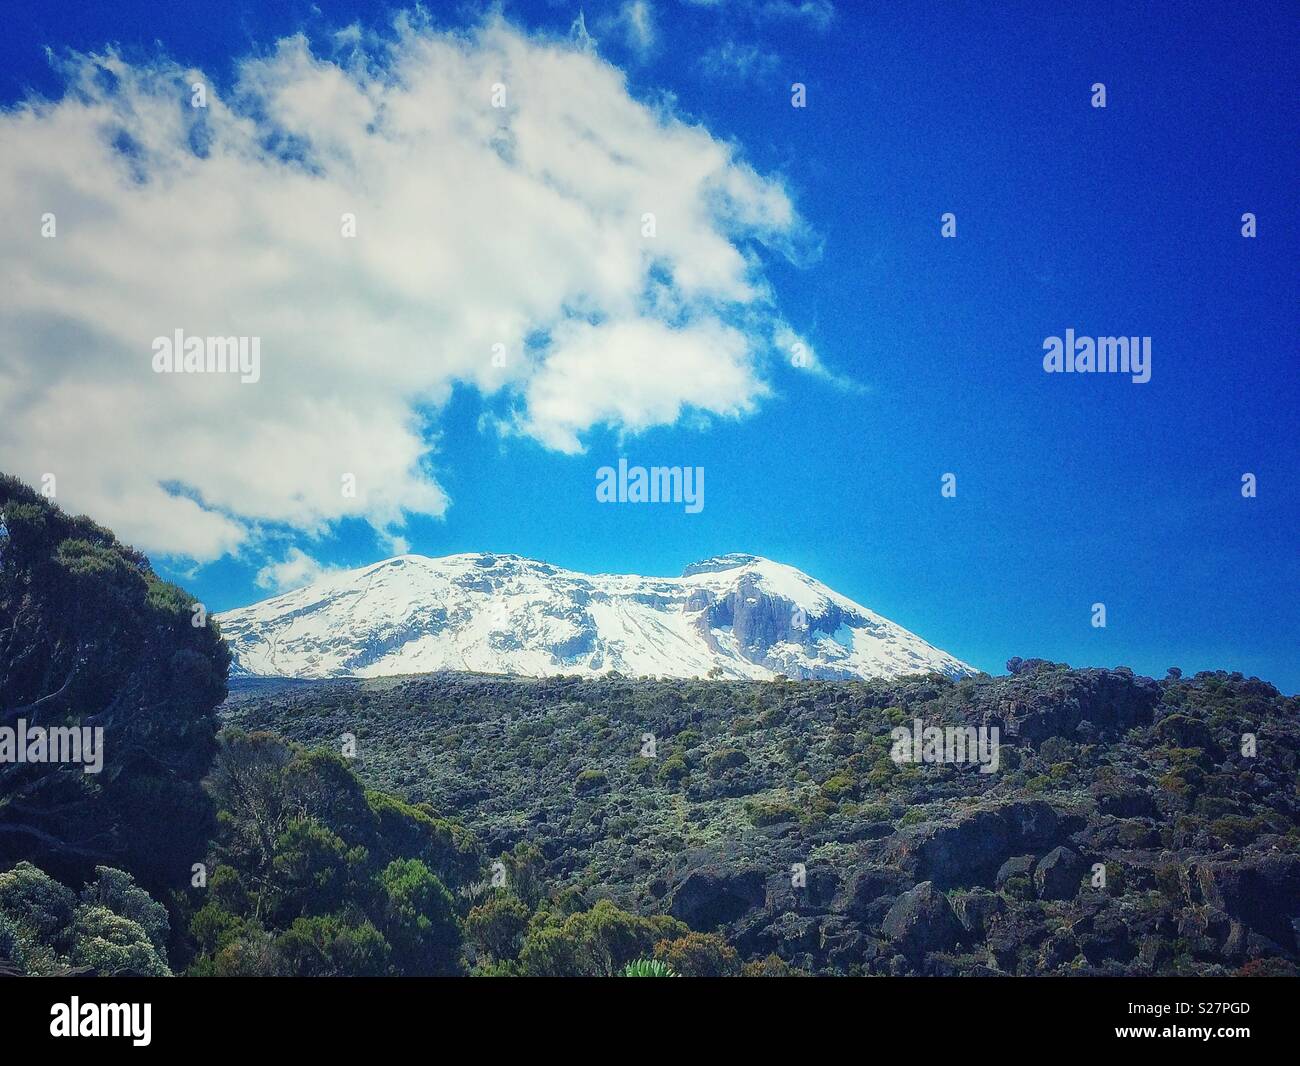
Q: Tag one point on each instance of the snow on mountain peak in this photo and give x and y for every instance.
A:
(735, 615)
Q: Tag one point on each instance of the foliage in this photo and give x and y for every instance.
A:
(817, 781)
(496, 928)
(115, 928)
(699, 955)
(90, 636)
(593, 943)
(647, 968)
(312, 874)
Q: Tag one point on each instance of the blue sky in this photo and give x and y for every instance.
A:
(1071, 489)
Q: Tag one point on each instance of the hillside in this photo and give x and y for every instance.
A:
(909, 868)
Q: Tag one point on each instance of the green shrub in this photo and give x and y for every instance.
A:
(674, 769)
(839, 787)
(774, 813)
(725, 759)
(589, 781)
(699, 955)
(497, 927)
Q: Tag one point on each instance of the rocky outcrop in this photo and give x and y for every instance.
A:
(975, 909)
(1262, 892)
(922, 921)
(709, 897)
(1058, 874)
(970, 850)
(1047, 703)
(1016, 866)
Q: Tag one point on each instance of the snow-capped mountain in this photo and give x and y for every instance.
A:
(734, 616)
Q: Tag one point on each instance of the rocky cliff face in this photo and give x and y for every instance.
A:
(735, 616)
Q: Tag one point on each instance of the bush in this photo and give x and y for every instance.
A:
(594, 943)
(725, 759)
(497, 927)
(839, 787)
(589, 781)
(114, 945)
(330, 946)
(772, 966)
(420, 919)
(674, 769)
(699, 955)
(764, 814)
(117, 928)
(35, 902)
(118, 892)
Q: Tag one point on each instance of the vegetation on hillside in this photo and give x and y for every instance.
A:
(612, 827)
(90, 636)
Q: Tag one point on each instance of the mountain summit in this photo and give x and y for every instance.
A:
(732, 616)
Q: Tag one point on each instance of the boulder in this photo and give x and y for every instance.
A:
(975, 908)
(922, 921)
(970, 850)
(1059, 874)
(1107, 940)
(868, 884)
(1262, 891)
(1057, 951)
(1014, 932)
(1016, 866)
(812, 898)
(713, 896)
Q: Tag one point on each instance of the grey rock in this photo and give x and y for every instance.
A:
(922, 921)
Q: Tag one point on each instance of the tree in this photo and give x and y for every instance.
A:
(116, 928)
(497, 927)
(330, 946)
(420, 919)
(699, 955)
(91, 637)
(594, 943)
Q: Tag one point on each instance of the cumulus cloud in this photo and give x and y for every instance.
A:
(296, 569)
(500, 247)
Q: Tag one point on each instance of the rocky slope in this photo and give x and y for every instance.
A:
(735, 616)
(1133, 826)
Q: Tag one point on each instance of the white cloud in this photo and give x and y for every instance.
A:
(296, 569)
(817, 14)
(476, 226)
(803, 355)
(582, 40)
(634, 25)
(658, 371)
(732, 59)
